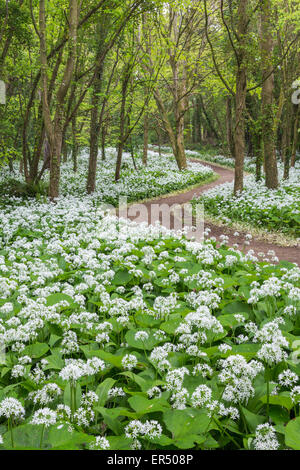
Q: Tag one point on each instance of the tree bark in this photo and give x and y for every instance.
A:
(146, 139)
(230, 139)
(268, 138)
(240, 98)
(75, 146)
(94, 131)
(295, 136)
(54, 128)
(125, 82)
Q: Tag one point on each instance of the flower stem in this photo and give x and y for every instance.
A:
(10, 426)
(42, 436)
(268, 400)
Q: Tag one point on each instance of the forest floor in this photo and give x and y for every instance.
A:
(261, 248)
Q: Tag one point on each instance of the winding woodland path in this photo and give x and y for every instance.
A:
(287, 253)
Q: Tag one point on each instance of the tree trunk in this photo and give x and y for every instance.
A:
(288, 139)
(240, 98)
(103, 141)
(180, 159)
(94, 132)
(75, 146)
(146, 139)
(39, 140)
(125, 81)
(54, 129)
(197, 138)
(239, 137)
(268, 138)
(230, 139)
(295, 136)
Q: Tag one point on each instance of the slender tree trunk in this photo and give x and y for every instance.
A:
(54, 129)
(288, 140)
(167, 125)
(75, 146)
(39, 140)
(103, 141)
(268, 137)
(240, 99)
(230, 139)
(179, 117)
(197, 138)
(239, 137)
(64, 147)
(284, 139)
(159, 137)
(146, 139)
(125, 81)
(94, 131)
(295, 136)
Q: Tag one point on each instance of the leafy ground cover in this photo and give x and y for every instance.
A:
(121, 336)
(161, 176)
(249, 163)
(211, 156)
(273, 210)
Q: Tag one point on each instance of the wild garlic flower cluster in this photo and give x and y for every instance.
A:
(288, 379)
(47, 394)
(265, 438)
(237, 375)
(129, 361)
(92, 306)
(101, 443)
(45, 417)
(11, 408)
(273, 342)
(74, 369)
(148, 430)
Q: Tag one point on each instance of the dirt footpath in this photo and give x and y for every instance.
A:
(263, 249)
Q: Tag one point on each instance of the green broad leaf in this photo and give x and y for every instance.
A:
(116, 412)
(144, 406)
(161, 441)
(54, 339)
(148, 344)
(61, 437)
(280, 428)
(26, 436)
(211, 336)
(119, 442)
(142, 383)
(230, 321)
(55, 361)
(110, 417)
(122, 278)
(36, 350)
(252, 419)
(4, 371)
(104, 355)
(189, 441)
(281, 400)
(170, 326)
(247, 350)
(237, 307)
(292, 434)
(59, 297)
(279, 415)
(103, 389)
(210, 443)
(185, 424)
(229, 281)
(146, 320)
(67, 395)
